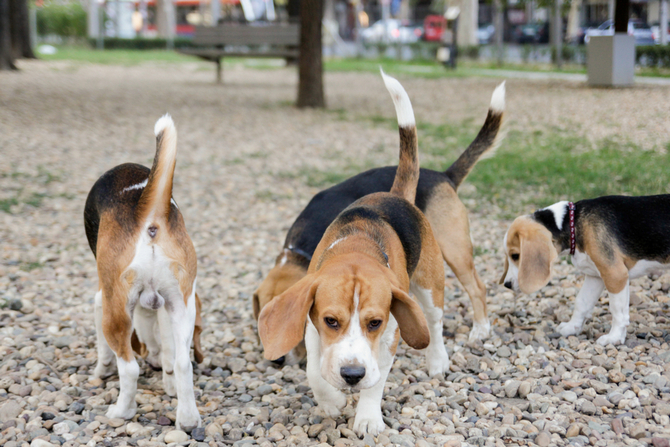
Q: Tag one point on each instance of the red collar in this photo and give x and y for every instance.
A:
(571, 207)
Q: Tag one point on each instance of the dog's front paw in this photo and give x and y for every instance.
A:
(103, 371)
(116, 411)
(333, 407)
(615, 337)
(438, 362)
(369, 422)
(187, 418)
(479, 332)
(169, 384)
(569, 328)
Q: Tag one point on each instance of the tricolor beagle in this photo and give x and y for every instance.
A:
(355, 298)
(435, 196)
(611, 240)
(144, 256)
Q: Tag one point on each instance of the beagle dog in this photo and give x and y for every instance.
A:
(147, 273)
(355, 297)
(436, 197)
(611, 240)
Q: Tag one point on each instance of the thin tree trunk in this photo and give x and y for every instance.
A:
(6, 53)
(20, 29)
(498, 23)
(310, 84)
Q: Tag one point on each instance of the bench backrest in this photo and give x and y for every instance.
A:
(288, 34)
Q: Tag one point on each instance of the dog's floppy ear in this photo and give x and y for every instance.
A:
(256, 305)
(537, 254)
(281, 323)
(502, 278)
(411, 321)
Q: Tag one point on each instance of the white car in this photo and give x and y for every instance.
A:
(643, 34)
(394, 30)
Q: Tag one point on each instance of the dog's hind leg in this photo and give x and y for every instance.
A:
(182, 321)
(106, 365)
(117, 328)
(146, 328)
(452, 231)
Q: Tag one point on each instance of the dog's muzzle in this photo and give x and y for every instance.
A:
(352, 374)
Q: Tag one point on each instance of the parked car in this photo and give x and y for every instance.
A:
(656, 30)
(433, 28)
(643, 34)
(391, 31)
(532, 33)
(485, 33)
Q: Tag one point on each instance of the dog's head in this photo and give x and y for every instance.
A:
(349, 301)
(282, 276)
(529, 253)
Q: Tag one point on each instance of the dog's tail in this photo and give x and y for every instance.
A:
(487, 141)
(407, 175)
(155, 199)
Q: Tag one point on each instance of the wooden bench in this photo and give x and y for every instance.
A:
(213, 43)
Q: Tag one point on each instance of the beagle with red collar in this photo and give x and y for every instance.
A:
(436, 197)
(147, 274)
(611, 240)
(355, 297)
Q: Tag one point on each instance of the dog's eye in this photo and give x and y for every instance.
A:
(374, 325)
(331, 322)
(514, 256)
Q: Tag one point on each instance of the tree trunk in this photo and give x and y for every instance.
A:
(6, 53)
(20, 29)
(310, 84)
(498, 23)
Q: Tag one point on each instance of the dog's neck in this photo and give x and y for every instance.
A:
(358, 241)
(557, 219)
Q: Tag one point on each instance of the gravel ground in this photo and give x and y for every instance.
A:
(64, 124)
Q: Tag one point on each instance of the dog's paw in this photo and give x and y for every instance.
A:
(115, 412)
(438, 362)
(187, 418)
(371, 422)
(154, 362)
(615, 337)
(169, 384)
(103, 371)
(569, 328)
(332, 408)
(479, 331)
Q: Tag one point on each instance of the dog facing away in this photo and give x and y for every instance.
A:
(436, 197)
(611, 240)
(147, 274)
(354, 298)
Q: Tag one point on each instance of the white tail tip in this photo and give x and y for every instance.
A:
(403, 106)
(498, 98)
(163, 122)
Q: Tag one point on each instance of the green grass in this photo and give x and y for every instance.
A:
(543, 167)
(6, 204)
(530, 169)
(115, 57)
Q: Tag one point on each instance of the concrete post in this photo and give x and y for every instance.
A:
(664, 22)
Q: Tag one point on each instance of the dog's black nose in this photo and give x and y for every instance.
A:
(508, 284)
(280, 360)
(352, 374)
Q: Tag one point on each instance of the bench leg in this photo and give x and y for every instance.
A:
(219, 67)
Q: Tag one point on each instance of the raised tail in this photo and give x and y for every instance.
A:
(487, 141)
(407, 175)
(155, 200)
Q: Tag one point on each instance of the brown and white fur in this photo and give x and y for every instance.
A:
(436, 197)
(147, 274)
(355, 298)
(617, 238)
